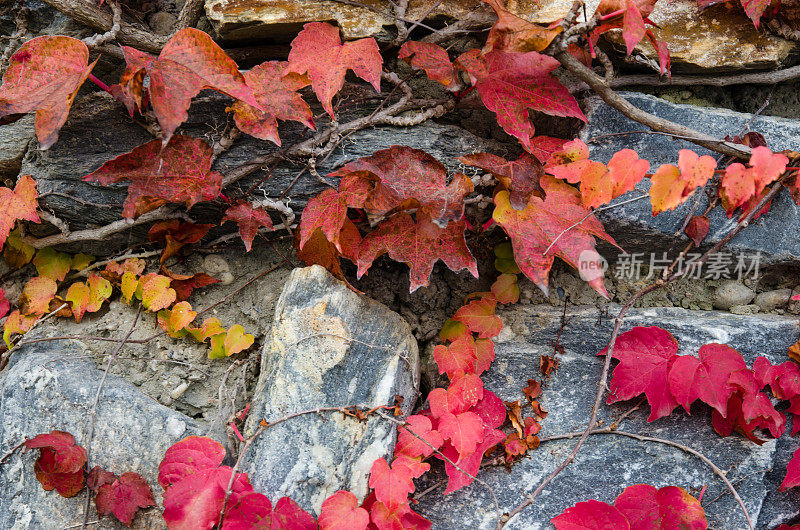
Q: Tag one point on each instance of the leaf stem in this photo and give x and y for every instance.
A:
(99, 83)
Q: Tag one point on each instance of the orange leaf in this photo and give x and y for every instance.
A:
(44, 75)
(318, 51)
(176, 234)
(740, 185)
(36, 295)
(512, 33)
(17, 204)
(16, 322)
(671, 186)
(156, 293)
(479, 317)
(506, 289)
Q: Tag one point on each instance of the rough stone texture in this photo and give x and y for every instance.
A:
(328, 347)
(731, 293)
(99, 129)
(51, 385)
(634, 226)
(773, 299)
(13, 143)
(235, 20)
(716, 40)
(609, 463)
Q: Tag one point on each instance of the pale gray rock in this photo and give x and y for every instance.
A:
(609, 463)
(731, 293)
(773, 299)
(328, 347)
(51, 386)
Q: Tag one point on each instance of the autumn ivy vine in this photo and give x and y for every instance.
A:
(398, 201)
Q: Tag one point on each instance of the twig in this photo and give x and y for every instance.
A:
(11, 452)
(190, 14)
(102, 232)
(758, 78)
(602, 208)
(656, 123)
(87, 442)
(685, 448)
(102, 38)
(90, 14)
(602, 385)
(21, 24)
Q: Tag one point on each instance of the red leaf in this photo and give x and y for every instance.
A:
(196, 500)
(470, 463)
(510, 83)
(484, 353)
(633, 29)
(754, 9)
(480, 318)
(189, 456)
(326, 212)
(591, 515)
(45, 469)
(17, 204)
(419, 245)
(384, 518)
(5, 307)
(520, 177)
(543, 147)
(318, 51)
(457, 358)
(391, 484)
(44, 75)
(401, 178)
(99, 476)
(720, 362)
(277, 94)
(559, 223)
(190, 62)
(646, 508)
(340, 511)
(433, 59)
(249, 220)
(491, 410)
(411, 446)
(176, 234)
(67, 457)
(645, 355)
(697, 229)
(124, 497)
(464, 430)
(185, 284)
(254, 511)
(792, 478)
(180, 172)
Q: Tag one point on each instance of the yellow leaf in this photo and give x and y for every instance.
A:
(51, 263)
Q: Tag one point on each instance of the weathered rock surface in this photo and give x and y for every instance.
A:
(328, 347)
(237, 20)
(51, 386)
(13, 144)
(633, 225)
(99, 129)
(731, 293)
(609, 463)
(717, 40)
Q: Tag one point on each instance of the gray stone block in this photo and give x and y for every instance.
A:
(51, 386)
(328, 347)
(633, 225)
(609, 463)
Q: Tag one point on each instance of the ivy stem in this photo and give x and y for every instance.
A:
(99, 83)
(612, 14)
